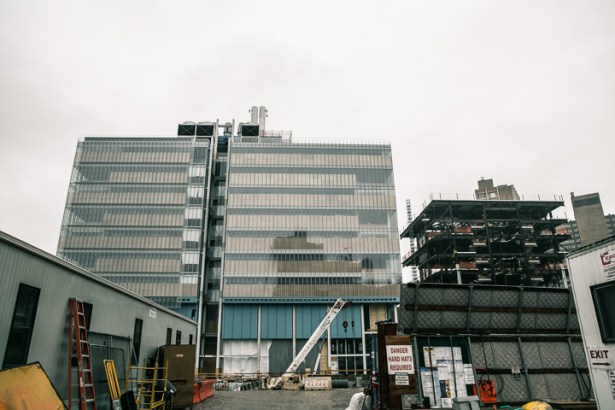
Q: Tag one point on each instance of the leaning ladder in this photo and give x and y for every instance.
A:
(79, 352)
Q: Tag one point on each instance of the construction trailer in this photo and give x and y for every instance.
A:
(592, 273)
(505, 344)
(35, 288)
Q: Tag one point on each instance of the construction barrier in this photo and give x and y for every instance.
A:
(203, 389)
(318, 383)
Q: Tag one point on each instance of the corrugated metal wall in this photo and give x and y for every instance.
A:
(276, 322)
(240, 321)
(113, 310)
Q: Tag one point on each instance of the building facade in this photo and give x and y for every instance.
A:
(487, 190)
(253, 232)
(135, 215)
(589, 216)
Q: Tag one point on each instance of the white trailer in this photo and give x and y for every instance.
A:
(592, 275)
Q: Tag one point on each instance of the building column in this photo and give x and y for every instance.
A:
(294, 330)
(363, 339)
(258, 340)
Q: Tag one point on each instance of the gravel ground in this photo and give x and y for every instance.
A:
(279, 399)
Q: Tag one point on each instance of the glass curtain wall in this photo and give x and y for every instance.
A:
(311, 220)
(134, 215)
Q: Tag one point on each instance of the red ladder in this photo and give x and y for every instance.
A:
(79, 352)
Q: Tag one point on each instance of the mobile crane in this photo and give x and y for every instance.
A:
(300, 357)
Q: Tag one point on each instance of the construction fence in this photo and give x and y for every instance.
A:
(507, 344)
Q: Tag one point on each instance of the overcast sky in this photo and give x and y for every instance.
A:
(519, 91)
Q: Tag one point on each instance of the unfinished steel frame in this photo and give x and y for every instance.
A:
(489, 241)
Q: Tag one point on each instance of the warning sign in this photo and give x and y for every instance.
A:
(399, 359)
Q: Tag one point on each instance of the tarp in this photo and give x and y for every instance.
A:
(28, 387)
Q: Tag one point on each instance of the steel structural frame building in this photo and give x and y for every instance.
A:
(506, 242)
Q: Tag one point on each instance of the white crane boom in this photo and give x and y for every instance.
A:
(331, 314)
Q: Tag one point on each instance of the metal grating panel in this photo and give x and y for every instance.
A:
(481, 297)
(480, 353)
(555, 355)
(551, 321)
(578, 352)
(504, 320)
(429, 320)
(480, 320)
(476, 350)
(539, 386)
(407, 294)
(457, 297)
(553, 300)
(563, 386)
(507, 355)
(454, 320)
(431, 296)
(574, 324)
(510, 389)
(528, 321)
(406, 319)
(530, 299)
(531, 354)
(509, 298)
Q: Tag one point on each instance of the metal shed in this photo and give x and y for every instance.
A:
(35, 288)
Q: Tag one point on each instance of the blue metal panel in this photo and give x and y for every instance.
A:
(308, 318)
(276, 322)
(349, 314)
(239, 321)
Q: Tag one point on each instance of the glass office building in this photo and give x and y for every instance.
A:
(135, 213)
(267, 230)
(306, 223)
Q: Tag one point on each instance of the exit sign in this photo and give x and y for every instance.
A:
(600, 357)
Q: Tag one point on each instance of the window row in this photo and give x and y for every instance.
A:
(332, 280)
(135, 173)
(329, 244)
(312, 200)
(310, 177)
(71, 241)
(301, 222)
(131, 198)
(311, 160)
(312, 148)
(312, 290)
(126, 216)
(376, 265)
(133, 157)
(315, 235)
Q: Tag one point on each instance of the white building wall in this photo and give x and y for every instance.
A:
(587, 269)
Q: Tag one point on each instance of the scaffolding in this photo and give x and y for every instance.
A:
(150, 383)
